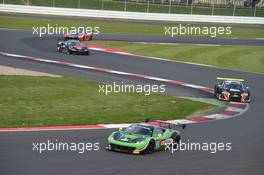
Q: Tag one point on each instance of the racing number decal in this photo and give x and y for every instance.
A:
(166, 142)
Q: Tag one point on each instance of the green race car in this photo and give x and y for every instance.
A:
(143, 138)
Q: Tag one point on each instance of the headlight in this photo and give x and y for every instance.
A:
(110, 137)
(138, 140)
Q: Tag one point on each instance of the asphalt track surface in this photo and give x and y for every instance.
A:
(244, 132)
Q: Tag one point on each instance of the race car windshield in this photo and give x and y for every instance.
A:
(74, 43)
(138, 130)
(81, 31)
(234, 86)
(73, 32)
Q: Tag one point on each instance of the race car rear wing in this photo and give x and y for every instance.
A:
(230, 79)
(164, 123)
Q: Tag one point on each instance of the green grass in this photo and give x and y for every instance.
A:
(112, 27)
(139, 7)
(245, 58)
(45, 101)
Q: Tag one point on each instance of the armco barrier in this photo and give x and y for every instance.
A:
(128, 15)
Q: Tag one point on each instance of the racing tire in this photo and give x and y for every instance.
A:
(216, 93)
(150, 148)
(58, 48)
(176, 140)
(248, 100)
(68, 52)
(249, 97)
(217, 96)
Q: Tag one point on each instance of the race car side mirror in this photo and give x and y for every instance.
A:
(120, 129)
(146, 120)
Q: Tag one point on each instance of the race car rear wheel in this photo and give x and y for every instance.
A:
(150, 148)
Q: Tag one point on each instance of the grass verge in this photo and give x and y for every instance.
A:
(45, 101)
(245, 58)
(114, 27)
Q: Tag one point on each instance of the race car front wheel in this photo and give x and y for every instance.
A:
(68, 52)
(59, 49)
(150, 148)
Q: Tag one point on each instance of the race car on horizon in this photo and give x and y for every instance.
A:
(78, 34)
(73, 47)
(231, 89)
(143, 138)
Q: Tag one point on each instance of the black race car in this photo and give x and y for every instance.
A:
(230, 89)
(73, 47)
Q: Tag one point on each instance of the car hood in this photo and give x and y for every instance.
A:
(80, 47)
(125, 137)
(234, 90)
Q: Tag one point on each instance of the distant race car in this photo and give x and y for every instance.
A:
(78, 34)
(143, 138)
(230, 89)
(73, 47)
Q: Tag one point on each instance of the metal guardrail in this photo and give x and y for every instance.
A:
(128, 15)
